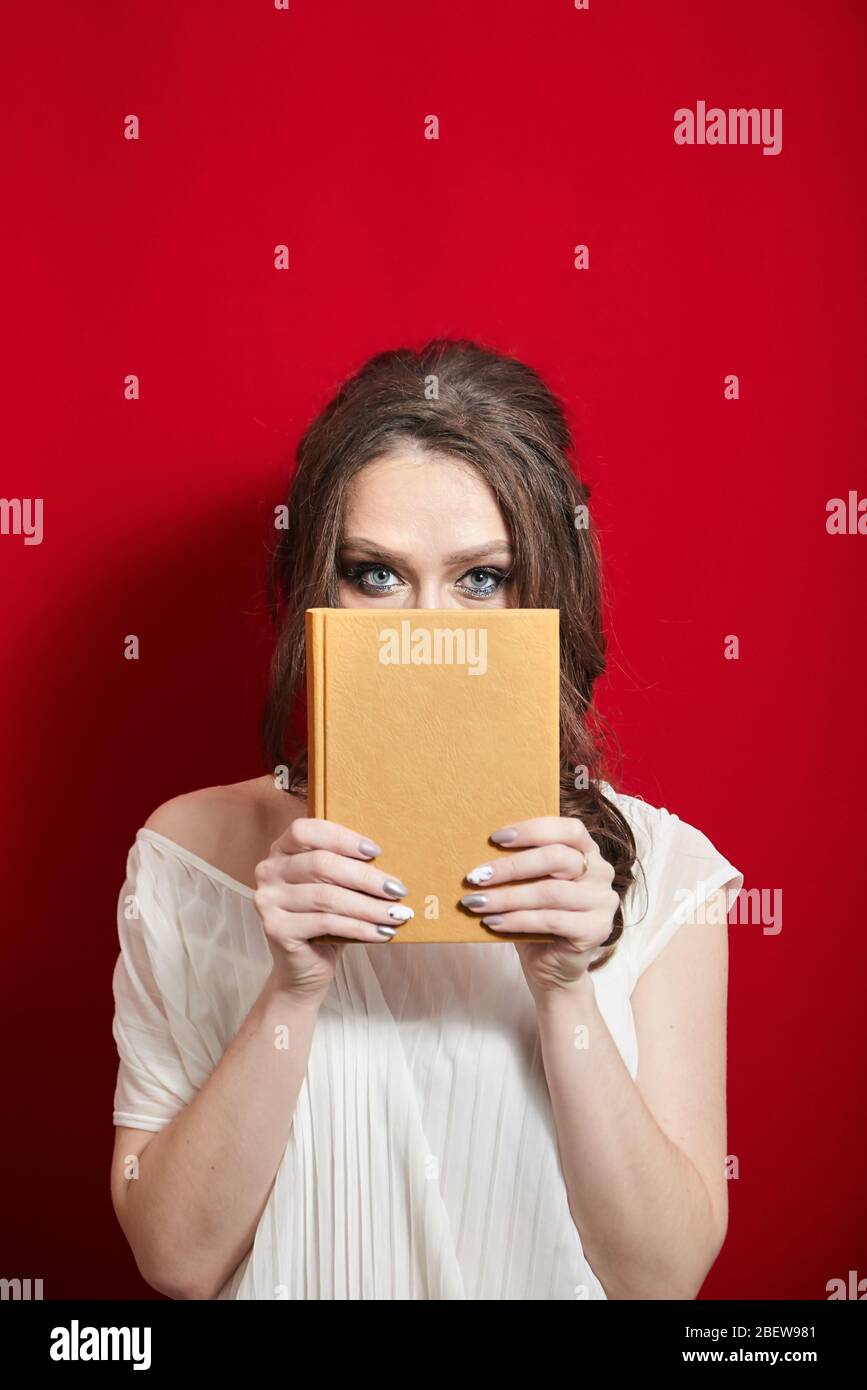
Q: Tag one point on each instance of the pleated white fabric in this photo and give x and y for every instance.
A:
(422, 1161)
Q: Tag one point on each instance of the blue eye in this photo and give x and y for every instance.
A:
(491, 582)
(358, 575)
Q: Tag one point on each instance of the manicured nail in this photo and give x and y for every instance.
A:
(474, 900)
(394, 888)
(369, 848)
(504, 837)
(399, 913)
(480, 874)
(492, 921)
(387, 931)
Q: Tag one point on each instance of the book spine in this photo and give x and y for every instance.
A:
(555, 681)
(314, 631)
(314, 627)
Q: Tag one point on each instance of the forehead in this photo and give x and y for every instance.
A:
(421, 495)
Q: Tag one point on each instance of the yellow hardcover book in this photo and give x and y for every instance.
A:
(428, 729)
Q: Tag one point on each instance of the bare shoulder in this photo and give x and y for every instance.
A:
(231, 827)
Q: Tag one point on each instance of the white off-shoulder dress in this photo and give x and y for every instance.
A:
(422, 1162)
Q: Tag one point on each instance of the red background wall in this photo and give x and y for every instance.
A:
(156, 257)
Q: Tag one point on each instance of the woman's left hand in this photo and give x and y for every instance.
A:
(570, 897)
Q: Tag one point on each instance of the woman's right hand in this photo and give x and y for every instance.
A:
(318, 881)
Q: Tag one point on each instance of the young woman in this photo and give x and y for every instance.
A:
(363, 1121)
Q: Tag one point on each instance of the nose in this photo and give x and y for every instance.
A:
(430, 595)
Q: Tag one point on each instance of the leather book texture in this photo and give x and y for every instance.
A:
(428, 729)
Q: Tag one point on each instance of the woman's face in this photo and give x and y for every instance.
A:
(423, 532)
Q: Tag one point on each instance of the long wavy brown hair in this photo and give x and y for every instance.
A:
(457, 398)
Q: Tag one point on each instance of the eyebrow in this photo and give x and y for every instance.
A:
(473, 552)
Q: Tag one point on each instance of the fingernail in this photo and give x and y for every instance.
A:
(387, 931)
(480, 874)
(492, 921)
(504, 837)
(369, 848)
(394, 888)
(474, 900)
(399, 913)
